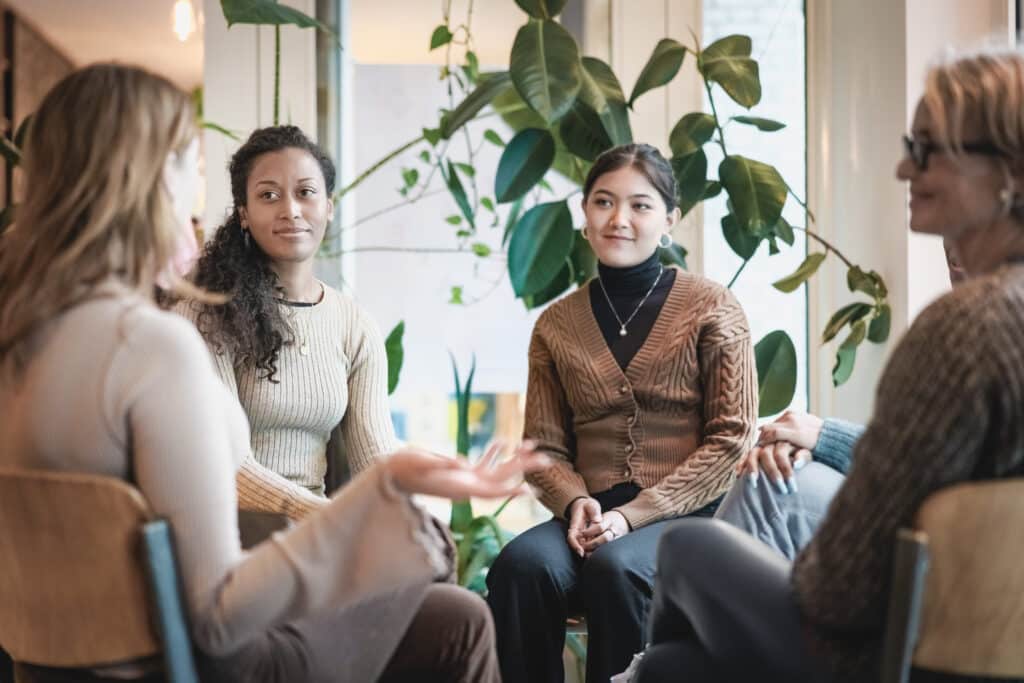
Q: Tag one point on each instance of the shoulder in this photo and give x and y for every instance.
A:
(146, 329)
(558, 316)
(704, 294)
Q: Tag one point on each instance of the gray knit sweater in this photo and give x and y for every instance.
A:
(949, 408)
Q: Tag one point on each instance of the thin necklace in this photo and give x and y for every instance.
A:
(622, 325)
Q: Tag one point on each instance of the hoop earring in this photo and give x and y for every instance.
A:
(661, 240)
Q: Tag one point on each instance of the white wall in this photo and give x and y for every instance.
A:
(865, 67)
(238, 87)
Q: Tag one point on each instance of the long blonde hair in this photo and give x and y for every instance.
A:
(95, 206)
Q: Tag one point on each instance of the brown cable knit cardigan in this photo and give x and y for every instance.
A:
(675, 422)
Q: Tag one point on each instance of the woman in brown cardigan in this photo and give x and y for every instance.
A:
(643, 389)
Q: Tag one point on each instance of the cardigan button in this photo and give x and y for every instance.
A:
(630, 419)
(623, 389)
(629, 448)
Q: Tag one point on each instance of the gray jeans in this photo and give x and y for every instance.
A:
(785, 522)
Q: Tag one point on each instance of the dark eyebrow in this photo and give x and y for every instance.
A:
(267, 182)
(632, 196)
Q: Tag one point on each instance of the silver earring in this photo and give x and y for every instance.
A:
(246, 238)
(662, 240)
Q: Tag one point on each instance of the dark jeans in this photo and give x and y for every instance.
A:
(537, 582)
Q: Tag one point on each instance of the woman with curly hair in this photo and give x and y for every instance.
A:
(302, 358)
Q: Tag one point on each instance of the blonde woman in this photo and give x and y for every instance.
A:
(94, 378)
(949, 409)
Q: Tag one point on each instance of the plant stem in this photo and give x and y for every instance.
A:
(373, 169)
(737, 274)
(828, 247)
(387, 209)
(412, 250)
(277, 73)
(714, 114)
(502, 507)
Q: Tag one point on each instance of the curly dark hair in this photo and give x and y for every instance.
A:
(251, 325)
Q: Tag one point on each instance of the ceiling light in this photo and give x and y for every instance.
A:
(183, 19)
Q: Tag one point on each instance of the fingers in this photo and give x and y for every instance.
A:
(770, 467)
(800, 458)
(591, 510)
(783, 460)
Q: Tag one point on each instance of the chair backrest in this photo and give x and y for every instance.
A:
(73, 584)
(972, 622)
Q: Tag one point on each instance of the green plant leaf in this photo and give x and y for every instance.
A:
(552, 290)
(582, 259)
(727, 62)
(675, 255)
(545, 67)
(784, 231)
(395, 354)
(739, 240)
(267, 13)
(210, 125)
(712, 189)
(472, 67)
(432, 135)
(480, 249)
(600, 90)
(454, 219)
(493, 138)
(850, 313)
(870, 283)
(691, 133)
(455, 296)
(661, 67)
(766, 125)
(491, 85)
(847, 353)
(458, 192)
(512, 220)
(843, 368)
(441, 36)
(583, 132)
(878, 332)
(756, 190)
(809, 267)
(539, 246)
(542, 9)
(9, 152)
(776, 372)
(526, 159)
(487, 203)
(466, 169)
(518, 115)
(691, 172)
(410, 176)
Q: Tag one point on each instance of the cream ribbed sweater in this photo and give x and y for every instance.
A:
(118, 388)
(675, 421)
(334, 375)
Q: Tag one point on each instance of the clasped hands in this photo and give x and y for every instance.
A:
(589, 528)
(783, 447)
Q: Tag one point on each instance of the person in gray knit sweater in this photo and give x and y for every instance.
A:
(948, 409)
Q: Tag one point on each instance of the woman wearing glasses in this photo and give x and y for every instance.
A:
(948, 410)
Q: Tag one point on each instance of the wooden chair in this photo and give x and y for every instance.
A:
(957, 602)
(87, 577)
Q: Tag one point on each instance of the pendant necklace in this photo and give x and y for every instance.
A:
(622, 325)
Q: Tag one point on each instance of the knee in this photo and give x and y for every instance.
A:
(686, 549)
(519, 562)
(469, 612)
(607, 569)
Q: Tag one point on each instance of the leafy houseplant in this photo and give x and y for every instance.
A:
(565, 109)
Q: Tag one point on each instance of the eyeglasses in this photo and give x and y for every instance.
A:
(918, 151)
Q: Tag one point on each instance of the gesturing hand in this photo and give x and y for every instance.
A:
(611, 526)
(582, 513)
(415, 470)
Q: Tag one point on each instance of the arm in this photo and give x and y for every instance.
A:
(260, 489)
(729, 377)
(548, 423)
(931, 419)
(183, 429)
(836, 443)
(367, 432)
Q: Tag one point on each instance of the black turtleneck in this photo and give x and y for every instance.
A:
(626, 287)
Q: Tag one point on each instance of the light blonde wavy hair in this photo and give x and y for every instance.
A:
(983, 90)
(95, 206)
